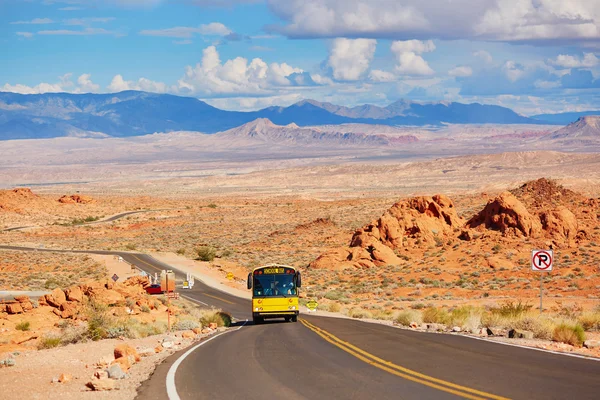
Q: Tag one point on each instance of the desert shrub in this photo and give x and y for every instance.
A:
(130, 246)
(206, 253)
(181, 252)
(217, 316)
(334, 307)
(73, 334)
(541, 326)
(98, 320)
(186, 324)
(512, 309)
(436, 315)
(49, 342)
(359, 313)
(383, 315)
(212, 205)
(405, 318)
(115, 332)
(572, 334)
(137, 329)
(491, 319)
(590, 321)
(23, 326)
(333, 295)
(145, 309)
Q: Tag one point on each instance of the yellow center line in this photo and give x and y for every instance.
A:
(405, 373)
(143, 262)
(218, 298)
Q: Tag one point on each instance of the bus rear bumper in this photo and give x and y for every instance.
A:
(275, 314)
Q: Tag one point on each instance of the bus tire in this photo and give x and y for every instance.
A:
(258, 320)
(295, 318)
(287, 319)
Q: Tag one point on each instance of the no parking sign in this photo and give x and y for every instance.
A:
(541, 260)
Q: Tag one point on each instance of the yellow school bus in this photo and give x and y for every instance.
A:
(274, 292)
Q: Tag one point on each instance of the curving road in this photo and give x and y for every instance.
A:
(334, 358)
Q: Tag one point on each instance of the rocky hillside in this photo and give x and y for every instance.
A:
(542, 210)
(585, 128)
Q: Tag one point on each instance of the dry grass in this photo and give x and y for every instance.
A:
(571, 334)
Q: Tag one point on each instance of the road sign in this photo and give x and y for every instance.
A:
(541, 260)
(230, 276)
(186, 285)
(115, 277)
(312, 305)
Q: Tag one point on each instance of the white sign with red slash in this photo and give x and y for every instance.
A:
(541, 260)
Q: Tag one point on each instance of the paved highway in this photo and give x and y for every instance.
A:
(331, 358)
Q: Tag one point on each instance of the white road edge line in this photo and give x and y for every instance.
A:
(171, 389)
(196, 300)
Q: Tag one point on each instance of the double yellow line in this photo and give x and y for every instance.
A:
(402, 372)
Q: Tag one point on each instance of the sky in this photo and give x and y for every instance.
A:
(534, 56)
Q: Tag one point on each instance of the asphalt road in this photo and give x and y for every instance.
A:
(331, 358)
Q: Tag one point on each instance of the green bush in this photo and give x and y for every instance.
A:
(436, 316)
(512, 309)
(568, 333)
(23, 326)
(206, 253)
(405, 318)
(590, 321)
(49, 342)
(185, 325)
(98, 321)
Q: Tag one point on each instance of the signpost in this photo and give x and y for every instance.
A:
(542, 261)
(230, 276)
(312, 305)
(115, 277)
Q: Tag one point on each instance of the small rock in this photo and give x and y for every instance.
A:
(188, 335)
(124, 350)
(436, 327)
(520, 334)
(197, 331)
(101, 374)
(146, 352)
(102, 384)
(65, 378)
(212, 325)
(14, 308)
(206, 331)
(456, 329)
(158, 349)
(115, 372)
(591, 344)
(10, 362)
(123, 362)
(104, 361)
(168, 342)
(414, 325)
(54, 380)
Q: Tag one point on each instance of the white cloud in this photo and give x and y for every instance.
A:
(25, 34)
(321, 80)
(408, 56)
(254, 103)
(540, 84)
(185, 32)
(84, 85)
(377, 75)
(118, 84)
(484, 55)
(576, 21)
(589, 60)
(350, 58)
(183, 42)
(235, 76)
(87, 21)
(461, 71)
(513, 71)
(85, 32)
(35, 21)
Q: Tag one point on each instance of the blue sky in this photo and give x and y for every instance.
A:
(534, 56)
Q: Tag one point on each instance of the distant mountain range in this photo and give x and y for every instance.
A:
(133, 113)
(585, 129)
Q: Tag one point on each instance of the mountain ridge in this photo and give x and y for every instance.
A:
(134, 113)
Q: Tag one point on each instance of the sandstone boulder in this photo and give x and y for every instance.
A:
(508, 215)
(188, 335)
(102, 384)
(560, 224)
(74, 294)
(75, 199)
(123, 362)
(23, 299)
(27, 306)
(14, 308)
(125, 350)
(56, 298)
(68, 310)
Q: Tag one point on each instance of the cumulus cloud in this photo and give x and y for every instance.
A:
(576, 21)
(410, 62)
(253, 103)
(589, 60)
(35, 21)
(118, 84)
(185, 32)
(65, 84)
(484, 55)
(513, 70)
(377, 75)
(349, 59)
(211, 77)
(461, 71)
